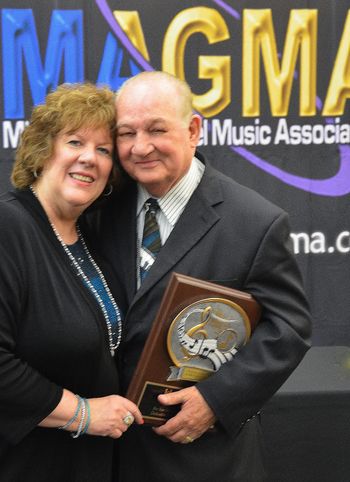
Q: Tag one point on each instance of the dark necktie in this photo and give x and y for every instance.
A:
(151, 243)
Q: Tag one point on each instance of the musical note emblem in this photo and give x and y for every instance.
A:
(205, 335)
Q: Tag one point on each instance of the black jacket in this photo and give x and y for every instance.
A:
(52, 336)
(227, 234)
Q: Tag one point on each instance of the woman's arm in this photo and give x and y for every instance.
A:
(105, 418)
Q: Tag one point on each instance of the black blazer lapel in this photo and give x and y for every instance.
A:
(115, 230)
(197, 219)
(127, 245)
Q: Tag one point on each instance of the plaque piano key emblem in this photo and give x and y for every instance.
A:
(205, 335)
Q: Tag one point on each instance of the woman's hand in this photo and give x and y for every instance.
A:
(110, 416)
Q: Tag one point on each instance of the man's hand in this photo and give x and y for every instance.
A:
(194, 418)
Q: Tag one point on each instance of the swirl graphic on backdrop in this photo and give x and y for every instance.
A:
(337, 185)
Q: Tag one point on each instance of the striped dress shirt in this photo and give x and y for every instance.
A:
(171, 204)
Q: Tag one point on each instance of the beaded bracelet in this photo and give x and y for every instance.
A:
(88, 417)
(76, 413)
(81, 423)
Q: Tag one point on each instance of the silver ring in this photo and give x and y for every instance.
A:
(189, 439)
(128, 419)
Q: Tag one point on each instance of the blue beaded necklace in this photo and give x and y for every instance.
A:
(96, 283)
(113, 312)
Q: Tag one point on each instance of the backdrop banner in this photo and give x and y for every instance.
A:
(271, 80)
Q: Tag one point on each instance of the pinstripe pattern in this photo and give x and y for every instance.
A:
(171, 206)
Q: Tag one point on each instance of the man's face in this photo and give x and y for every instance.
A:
(155, 144)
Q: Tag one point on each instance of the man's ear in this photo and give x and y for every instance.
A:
(195, 129)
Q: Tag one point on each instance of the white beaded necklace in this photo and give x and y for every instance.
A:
(80, 272)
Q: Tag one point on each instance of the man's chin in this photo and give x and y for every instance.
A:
(155, 187)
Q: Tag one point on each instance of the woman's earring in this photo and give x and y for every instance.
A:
(110, 190)
(35, 174)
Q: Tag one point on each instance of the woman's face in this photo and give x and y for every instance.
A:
(78, 171)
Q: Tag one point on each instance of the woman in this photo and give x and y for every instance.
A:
(59, 324)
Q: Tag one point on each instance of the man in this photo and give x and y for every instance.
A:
(213, 229)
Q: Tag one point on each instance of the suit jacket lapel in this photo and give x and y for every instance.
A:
(122, 224)
(196, 220)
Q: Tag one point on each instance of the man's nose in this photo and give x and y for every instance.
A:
(142, 145)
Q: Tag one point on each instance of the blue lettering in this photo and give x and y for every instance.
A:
(65, 41)
(111, 65)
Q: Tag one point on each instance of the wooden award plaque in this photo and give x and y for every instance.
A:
(199, 326)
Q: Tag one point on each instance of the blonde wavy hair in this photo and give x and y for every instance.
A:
(69, 108)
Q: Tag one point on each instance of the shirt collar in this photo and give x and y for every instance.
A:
(173, 202)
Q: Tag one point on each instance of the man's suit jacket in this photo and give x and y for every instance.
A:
(227, 234)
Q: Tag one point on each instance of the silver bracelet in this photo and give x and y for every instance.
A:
(82, 418)
(76, 413)
(88, 417)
